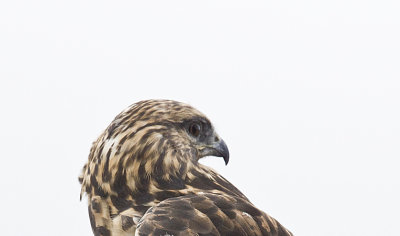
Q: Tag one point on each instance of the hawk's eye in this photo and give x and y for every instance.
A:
(194, 129)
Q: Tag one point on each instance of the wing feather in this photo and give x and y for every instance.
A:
(208, 214)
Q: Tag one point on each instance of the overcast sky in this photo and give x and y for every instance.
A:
(305, 93)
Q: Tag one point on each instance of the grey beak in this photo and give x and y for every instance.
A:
(222, 150)
(216, 148)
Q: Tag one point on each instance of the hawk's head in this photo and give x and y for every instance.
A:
(153, 145)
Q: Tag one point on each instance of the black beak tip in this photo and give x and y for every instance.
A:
(226, 159)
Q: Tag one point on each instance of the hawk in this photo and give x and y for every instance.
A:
(143, 177)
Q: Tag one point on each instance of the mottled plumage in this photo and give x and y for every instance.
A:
(143, 178)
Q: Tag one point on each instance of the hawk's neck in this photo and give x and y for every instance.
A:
(124, 212)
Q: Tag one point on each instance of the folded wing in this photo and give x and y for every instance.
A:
(208, 214)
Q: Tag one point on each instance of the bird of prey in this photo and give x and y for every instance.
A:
(143, 177)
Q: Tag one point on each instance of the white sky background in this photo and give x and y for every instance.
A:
(305, 93)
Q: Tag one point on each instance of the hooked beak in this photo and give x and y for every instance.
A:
(218, 149)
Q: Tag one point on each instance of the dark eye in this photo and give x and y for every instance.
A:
(194, 129)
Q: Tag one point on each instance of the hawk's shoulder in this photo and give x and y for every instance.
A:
(208, 214)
